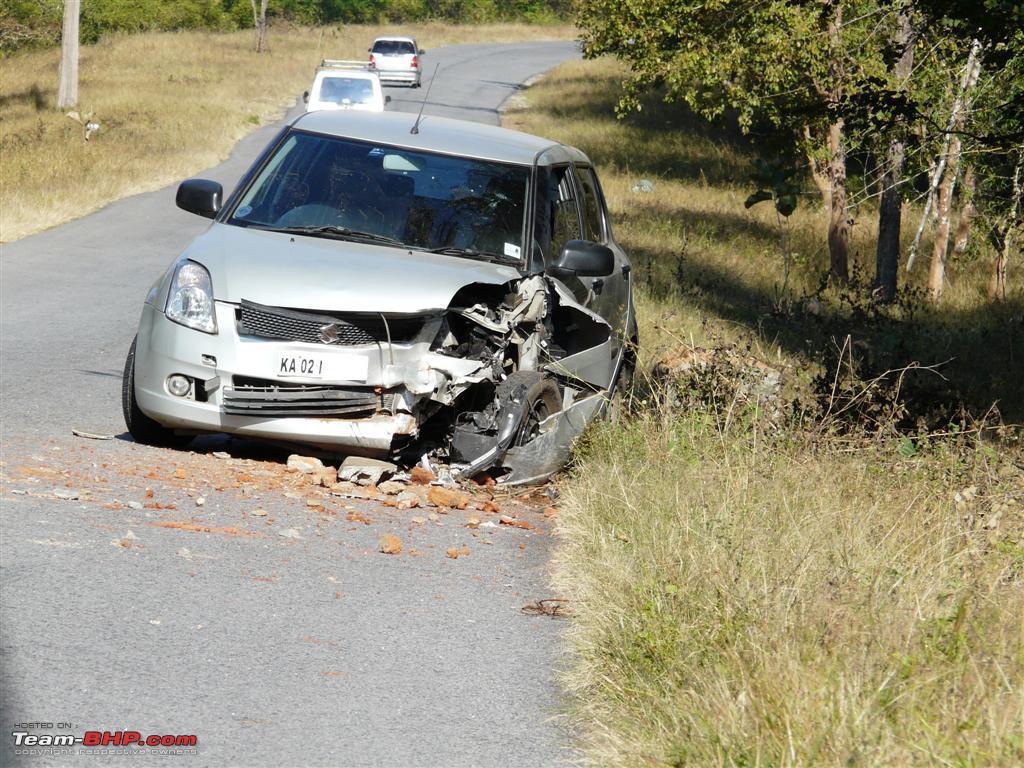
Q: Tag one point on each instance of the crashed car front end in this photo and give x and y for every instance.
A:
(382, 379)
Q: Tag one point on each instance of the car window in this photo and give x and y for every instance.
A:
(346, 90)
(393, 46)
(593, 228)
(558, 213)
(422, 199)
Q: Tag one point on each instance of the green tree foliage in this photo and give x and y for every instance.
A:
(821, 76)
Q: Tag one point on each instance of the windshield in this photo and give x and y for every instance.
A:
(393, 46)
(346, 90)
(417, 199)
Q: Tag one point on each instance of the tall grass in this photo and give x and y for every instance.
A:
(751, 591)
(168, 104)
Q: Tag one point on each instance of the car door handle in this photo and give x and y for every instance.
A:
(597, 285)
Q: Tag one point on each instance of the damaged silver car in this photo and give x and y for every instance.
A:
(386, 287)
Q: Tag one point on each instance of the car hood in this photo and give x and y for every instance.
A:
(313, 273)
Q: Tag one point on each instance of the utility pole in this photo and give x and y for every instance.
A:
(67, 93)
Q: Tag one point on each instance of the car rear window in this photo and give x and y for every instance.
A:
(393, 46)
(346, 90)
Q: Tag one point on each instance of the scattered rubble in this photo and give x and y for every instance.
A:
(390, 544)
(443, 497)
(363, 471)
(307, 465)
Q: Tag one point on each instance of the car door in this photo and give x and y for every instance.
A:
(592, 354)
(609, 294)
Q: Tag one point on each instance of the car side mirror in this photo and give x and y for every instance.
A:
(305, 97)
(387, 99)
(422, 51)
(200, 196)
(583, 258)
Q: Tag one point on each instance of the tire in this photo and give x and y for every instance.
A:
(541, 396)
(142, 428)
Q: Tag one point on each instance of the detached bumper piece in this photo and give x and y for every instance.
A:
(283, 400)
(344, 329)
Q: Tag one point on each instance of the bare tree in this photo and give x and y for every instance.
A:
(259, 20)
(938, 170)
(947, 183)
(67, 93)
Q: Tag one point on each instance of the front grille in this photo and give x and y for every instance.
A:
(343, 328)
(260, 397)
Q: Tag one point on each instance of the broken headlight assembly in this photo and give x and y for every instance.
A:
(190, 298)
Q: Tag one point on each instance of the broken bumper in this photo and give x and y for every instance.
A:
(233, 375)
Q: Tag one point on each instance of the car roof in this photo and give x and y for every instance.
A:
(356, 74)
(395, 37)
(438, 134)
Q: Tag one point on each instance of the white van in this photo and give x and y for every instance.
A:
(396, 60)
(345, 85)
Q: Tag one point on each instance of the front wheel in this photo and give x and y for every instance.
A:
(142, 428)
(540, 398)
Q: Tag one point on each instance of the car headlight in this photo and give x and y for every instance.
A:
(190, 300)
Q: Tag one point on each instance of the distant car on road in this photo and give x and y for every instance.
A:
(384, 285)
(396, 60)
(345, 85)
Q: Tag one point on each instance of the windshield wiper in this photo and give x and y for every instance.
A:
(472, 253)
(340, 233)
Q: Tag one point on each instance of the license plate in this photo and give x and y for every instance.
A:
(331, 367)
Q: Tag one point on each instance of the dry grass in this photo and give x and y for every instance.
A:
(169, 105)
(752, 597)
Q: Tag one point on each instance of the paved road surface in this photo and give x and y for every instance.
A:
(284, 639)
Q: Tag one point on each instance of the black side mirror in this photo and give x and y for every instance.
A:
(305, 97)
(422, 51)
(200, 196)
(583, 259)
(387, 99)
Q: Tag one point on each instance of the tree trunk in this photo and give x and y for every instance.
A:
(937, 271)
(890, 213)
(838, 223)
(971, 72)
(997, 286)
(67, 92)
(890, 209)
(259, 20)
(967, 213)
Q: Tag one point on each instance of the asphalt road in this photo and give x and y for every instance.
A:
(283, 638)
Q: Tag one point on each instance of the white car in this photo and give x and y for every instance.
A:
(345, 85)
(383, 286)
(396, 60)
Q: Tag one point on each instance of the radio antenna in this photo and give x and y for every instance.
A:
(416, 126)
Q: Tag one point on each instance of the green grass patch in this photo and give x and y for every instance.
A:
(833, 578)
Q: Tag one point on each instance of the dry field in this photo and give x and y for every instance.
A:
(169, 105)
(832, 576)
